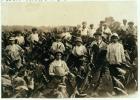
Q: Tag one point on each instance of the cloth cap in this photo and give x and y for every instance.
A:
(131, 23)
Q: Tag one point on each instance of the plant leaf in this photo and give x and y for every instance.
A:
(121, 90)
(119, 84)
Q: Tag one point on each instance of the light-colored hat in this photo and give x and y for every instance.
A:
(114, 35)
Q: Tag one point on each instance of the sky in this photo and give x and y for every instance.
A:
(67, 13)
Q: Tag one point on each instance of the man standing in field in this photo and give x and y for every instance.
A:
(14, 52)
(34, 36)
(84, 29)
(91, 31)
(131, 29)
(20, 38)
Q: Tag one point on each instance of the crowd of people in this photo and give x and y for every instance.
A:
(78, 63)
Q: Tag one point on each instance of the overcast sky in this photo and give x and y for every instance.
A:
(71, 13)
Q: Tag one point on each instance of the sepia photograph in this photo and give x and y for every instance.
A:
(81, 49)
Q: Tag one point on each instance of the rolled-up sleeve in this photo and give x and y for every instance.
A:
(66, 67)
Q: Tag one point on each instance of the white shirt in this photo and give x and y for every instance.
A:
(34, 37)
(115, 53)
(58, 67)
(79, 50)
(124, 27)
(20, 39)
(91, 32)
(84, 32)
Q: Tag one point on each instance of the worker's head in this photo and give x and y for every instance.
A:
(34, 30)
(131, 24)
(114, 37)
(78, 41)
(84, 24)
(105, 25)
(124, 21)
(58, 38)
(58, 54)
(91, 26)
(101, 23)
(98, 36)
(12, 40)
